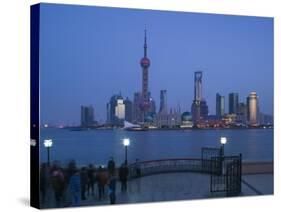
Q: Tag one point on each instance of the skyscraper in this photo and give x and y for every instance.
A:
(242, 113)
(220, 105)
(115, 110)
(204, 109)
(120, 108)
(233, 103)
(199, 107)
(163, 102)
(253, 109)
(128, 110)
(198, 85)
(145, 63)
(137, 113)
(87, 116)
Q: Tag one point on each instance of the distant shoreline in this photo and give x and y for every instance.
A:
(156, 129)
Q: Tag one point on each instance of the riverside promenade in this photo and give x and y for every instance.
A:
(257, 179)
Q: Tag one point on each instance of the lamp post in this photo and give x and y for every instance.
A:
(223, 142)
(126, 143)
(48, 144)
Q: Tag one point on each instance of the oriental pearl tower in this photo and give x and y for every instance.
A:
(145, 63)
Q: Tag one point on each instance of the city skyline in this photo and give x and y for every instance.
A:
(59, 106)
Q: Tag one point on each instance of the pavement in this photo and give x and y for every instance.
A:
(174, 186)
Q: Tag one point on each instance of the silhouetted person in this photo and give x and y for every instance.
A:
(102, 181)
(84, 182)
(44, 181)
(112, 188)
(58, 184)
(111, 166)
(70, 170)
(75, 188)
(92, 179)
(123, 175)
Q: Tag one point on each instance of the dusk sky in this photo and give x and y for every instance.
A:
(88, 54)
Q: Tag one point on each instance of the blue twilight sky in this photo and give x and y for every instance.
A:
(87, 54)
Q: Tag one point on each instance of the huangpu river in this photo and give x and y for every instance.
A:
(97, 146)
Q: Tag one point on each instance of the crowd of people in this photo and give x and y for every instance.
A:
(70, 185)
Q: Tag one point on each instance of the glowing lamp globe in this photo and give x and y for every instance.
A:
(223, 140)
(48, 143)
(126, 141)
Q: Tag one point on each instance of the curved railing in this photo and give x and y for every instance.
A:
(150, 167)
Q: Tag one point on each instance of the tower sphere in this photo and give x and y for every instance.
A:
(145, 62)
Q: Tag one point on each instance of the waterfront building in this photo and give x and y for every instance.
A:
(230, 119)
(186, 120)
(120, 108)
(128, 110)
(204, 109)
(168, 120)
(199, 107)
(163, 102)
(233, 100)
(137, 114)
(152, 105)
(220, 105)
(108, 113)
(87, 116)
(198, 85)
(265, 119)
(253, 109)
(195, 111)
(116, 110)
(242, 113)
(195, 107)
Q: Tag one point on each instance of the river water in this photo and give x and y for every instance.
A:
(97, 146)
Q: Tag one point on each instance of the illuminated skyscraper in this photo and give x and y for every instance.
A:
(253, 109)
(220, 105)
(163, 102)
(115, 110)
(120, 109)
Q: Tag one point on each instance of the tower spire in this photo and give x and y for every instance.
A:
(145, 45)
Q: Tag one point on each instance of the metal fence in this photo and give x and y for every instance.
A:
(225, 171)
(227, 177)
(145, 168)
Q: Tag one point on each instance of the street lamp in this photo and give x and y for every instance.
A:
(126, 143)
(223, 142)
(48, 144)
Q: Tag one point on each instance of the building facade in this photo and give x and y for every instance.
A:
(128, 110)
(87, 116)
(163, 102)
(168, 120)
(233, 101)
(253, 109)
(242, 113)
(199, 107)
(220, 105)
(115, 110)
